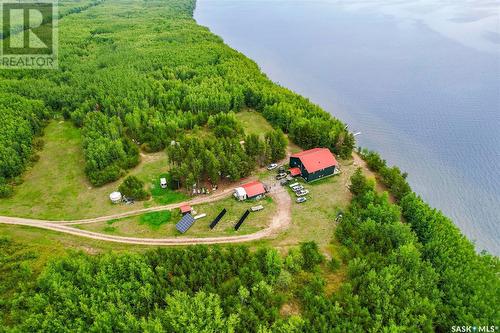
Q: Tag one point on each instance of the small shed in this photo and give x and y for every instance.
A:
(115, 197)
(186, 209)
(240, 194)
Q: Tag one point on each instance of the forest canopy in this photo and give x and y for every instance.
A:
(140, 75)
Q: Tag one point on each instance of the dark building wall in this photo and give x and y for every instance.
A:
(295, 162)
(318, 174)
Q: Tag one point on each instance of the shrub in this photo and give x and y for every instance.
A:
(334, 264)
(132, 187)
(6, 190)
(312, 256)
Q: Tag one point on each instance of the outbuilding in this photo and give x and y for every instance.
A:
(314, 163)
(115, 197)
(252, 190)
(185, 209)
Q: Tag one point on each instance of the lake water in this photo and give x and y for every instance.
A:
(419, 79)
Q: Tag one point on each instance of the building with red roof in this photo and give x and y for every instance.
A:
(252, 190)
(314, 163)
(186, 209)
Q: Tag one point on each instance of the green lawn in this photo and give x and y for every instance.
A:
(164, 196)
(253, 122)
(56, 186)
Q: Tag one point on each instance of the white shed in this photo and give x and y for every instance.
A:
(115, 197)
(240, 193)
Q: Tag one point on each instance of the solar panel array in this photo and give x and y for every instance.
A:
(217, 219)
(185, 223)
(242, 219)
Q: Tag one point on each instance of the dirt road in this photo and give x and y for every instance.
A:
(280, 221)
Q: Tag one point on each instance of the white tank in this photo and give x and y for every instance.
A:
(115, 197)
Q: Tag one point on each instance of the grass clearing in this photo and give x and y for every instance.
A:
(162, 224)
(253, 122)
(155, 219)
(164, 196)
(56, 187)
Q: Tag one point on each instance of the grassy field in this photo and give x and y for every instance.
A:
(253, 122)
(162, 224)
(56, 186)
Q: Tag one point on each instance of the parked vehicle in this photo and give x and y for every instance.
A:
(272, 166)
(297, 188)
(163, 182)
(301, 199)
(301, 193)
(257, 208)
(293, 185)
(128, 201)
(283, 182)
(281, 176)
(281, 169)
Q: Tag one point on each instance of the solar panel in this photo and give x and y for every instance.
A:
(242, 219)
(217, 219)
(185, 223)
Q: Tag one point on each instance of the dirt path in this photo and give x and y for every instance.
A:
(280, 221)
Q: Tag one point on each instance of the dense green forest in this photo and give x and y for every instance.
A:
(138, 74)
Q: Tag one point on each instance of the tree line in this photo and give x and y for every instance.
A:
(468, 281)
(22, 120)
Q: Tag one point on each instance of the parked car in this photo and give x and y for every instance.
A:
(128, 201)
(257, 208)
(293, 185)
(281, 169)
(272, 166)
(301, 199)
(301, 193)
(297, 188)
(283, 182)
(280, 176)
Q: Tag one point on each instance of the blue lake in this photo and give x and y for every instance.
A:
(419, 79)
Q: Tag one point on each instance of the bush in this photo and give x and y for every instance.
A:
(6, 190)
(132, 187)
(294, 260)
(312, 256)
(334, 264)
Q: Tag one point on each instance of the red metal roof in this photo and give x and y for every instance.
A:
(316, 159)
(254, 188)
(295, 172)
(186, 209)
